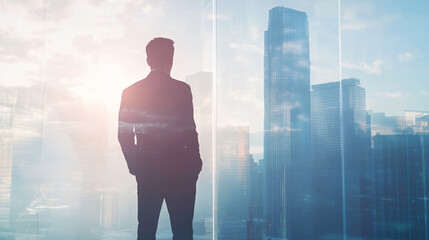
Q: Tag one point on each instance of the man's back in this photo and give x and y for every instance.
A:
(158, 110)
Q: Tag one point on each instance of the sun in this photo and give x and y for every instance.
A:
(103, 83)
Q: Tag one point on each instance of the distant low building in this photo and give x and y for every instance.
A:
(233, 181)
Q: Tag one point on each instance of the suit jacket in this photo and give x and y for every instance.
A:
(157, 129)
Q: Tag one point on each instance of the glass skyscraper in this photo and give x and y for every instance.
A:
(7, 107)
(287, 124)
(358, 190)
(342, 172)
(233, 181)
(20, 163)
(326, 150)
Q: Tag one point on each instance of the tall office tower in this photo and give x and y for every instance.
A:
(25, 124)
(326, 150)
(257, 189)
(255, 222)
(368, 198)
(335, 183)
(6, 143)
(201, 86)
(356, 153)
(233, 181)
(402, 186)
(287, 124)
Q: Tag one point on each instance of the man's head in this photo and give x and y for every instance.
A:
(160, 53)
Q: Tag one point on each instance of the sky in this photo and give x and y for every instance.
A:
(88, 51)
(383, 43)
(97, 48)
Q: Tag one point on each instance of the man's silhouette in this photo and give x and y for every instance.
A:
(160, 144)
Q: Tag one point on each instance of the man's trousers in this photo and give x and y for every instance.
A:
(179, 194)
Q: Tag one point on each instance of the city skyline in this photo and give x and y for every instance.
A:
(373, 62)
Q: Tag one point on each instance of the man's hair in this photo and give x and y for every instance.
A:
(160, 51)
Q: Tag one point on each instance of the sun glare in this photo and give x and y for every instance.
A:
(103, 84)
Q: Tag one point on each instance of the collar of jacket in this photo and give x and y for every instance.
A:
(159, 70)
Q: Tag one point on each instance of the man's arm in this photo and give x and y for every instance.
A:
(126, 132)
(191, 135)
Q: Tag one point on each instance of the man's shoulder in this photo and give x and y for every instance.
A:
(182, 84)
(147, 83)
(134, 86)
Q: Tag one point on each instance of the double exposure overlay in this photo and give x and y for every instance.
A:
(312, 117)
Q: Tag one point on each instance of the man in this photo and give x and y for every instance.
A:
(160, 144)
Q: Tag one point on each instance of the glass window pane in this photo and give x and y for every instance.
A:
(384, 55)
(63, 68)
(269, 53)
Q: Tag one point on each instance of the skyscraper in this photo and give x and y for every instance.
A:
(287, 124)
(326, 150)
(233, 181)
(24, 122)
(357, 168)
(342, 172)
(255, 222)
(7, 104)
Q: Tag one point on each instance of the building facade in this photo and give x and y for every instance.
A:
(233, 181)
(401, 162)
(342, 171)
(287, 124)
(327, 167)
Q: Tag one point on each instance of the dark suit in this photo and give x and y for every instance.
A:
(165, 158)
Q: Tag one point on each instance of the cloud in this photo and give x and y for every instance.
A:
(405, 57)
(244, 97)
(371, 69)
(218, 17)
(64, 67)
(392, 95)
(425, 93)
(84, 43)
(255, 33)
(156, 10)
(16, 48)
(318, 69)
(353, 26)
(361, 19)
(148, 8)
(55, 10)
(247, 48)
(352, 18)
